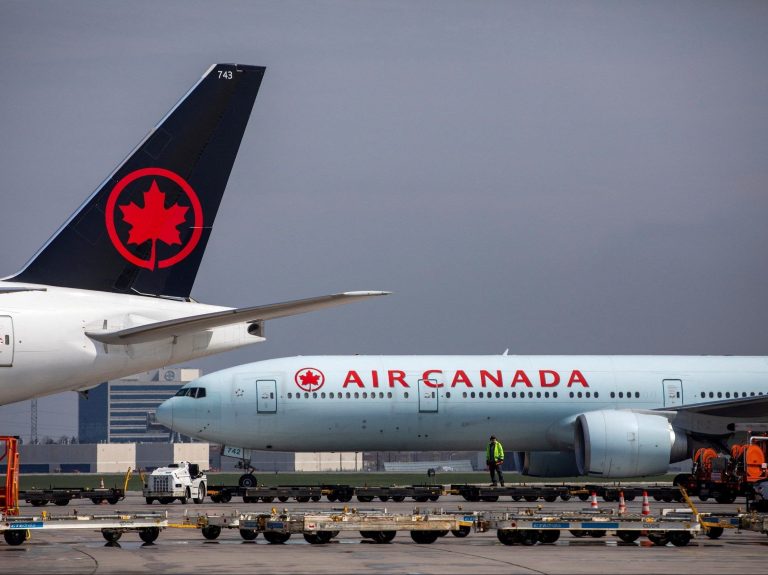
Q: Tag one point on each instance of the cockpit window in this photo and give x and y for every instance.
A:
(195, 392)
(200, 392)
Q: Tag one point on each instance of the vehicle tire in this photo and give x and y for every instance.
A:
(304, 499)
(382, 537)
(680, 538)
(462, 531)
(211, 532)
(183, 500)
(579, 533)
(111, 535)
(420, 499)
(548, 536)
(424, 537)
(660, 539)
(596, 533)
(490, 498)
(343, 497)
(516, 498)
(216, 498)
(315, 498)
(364, 498)
(398, 498)
(166, 500)
(113, 500)
(268, 498)
(149, 500)
(319, 538)
(61, 502)
(249, 534)
(225, 497)
(247, 480)
(507, 536)
(550, 498)
(434, 497)
(149, 534)
(528, 537)
(628, 536)
(98, 500)
(384, 498)
(609, 497)
(726, 498)
(276, 538)
(583, 496)
(331, 497)
(200, 494)
(38, 502)
(531, 498)
(565, 496)
(282, 498)
(629, 497)
(15, 536)
(714, 532)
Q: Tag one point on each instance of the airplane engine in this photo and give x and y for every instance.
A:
(614, 443)
(546, 463)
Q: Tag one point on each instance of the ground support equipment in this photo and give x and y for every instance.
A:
(531, 526)
(62, 496)
(17, 529)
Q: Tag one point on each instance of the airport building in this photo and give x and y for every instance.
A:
(122, 410)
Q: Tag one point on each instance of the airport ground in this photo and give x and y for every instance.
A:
(187, 551)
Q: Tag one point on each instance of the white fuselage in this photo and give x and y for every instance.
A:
(44, 349)
(446, 402)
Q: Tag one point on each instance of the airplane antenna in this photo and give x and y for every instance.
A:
(506, 352)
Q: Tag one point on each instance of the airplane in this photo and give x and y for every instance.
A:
(108, 295)
(561, 416)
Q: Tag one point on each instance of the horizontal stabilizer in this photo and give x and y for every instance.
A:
(197, 323)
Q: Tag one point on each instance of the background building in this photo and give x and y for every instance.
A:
(122, 410)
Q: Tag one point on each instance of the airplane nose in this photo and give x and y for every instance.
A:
(164, 413)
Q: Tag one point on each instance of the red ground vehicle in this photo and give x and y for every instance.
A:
(725, 477)
(9, 485)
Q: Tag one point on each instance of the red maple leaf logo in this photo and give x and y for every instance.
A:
(309, 379)
(154, 221)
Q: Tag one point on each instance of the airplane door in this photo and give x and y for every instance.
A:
(427, 396)
(673, 392)
(244, 399)
(266, 396)
(6, 341)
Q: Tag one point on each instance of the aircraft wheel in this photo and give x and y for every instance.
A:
(247, 480)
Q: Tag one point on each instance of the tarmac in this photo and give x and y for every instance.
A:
(187, 551)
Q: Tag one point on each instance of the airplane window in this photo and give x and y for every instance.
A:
(448, 394)
(349, 395)
(480, 394)
(389, 395)
(621, 395)
(365, 395)
(751, 393)
(373, 395)
(744, 394)
(498, 394)
(637, 394)
(306, 395)
(571, 394)
(727, 394)
(613, 394)
(587, 394)
(554, 394)
(719, 394)
(578, 394)
(472, 395)
(289, 395)
(514, 394)
(314, 395)
(530, 394)
(711, 394)
(506, 395)
(546, 394)
(596, 394)
(464, 395)
(357, 395)
(200, 392)
(330, 395)
(538, 394)
(405, 395)
(322, 395)
(181, 393)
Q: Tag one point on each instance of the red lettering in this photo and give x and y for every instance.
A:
(397, 376)
(375, 378)
(543, 378)
(520, 377)
(577, 377)
(487, 376)
(425, 377)
(353, 377)
(461, 377)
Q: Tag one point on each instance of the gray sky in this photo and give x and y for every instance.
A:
(549, 177)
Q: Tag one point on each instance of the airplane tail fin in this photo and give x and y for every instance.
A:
(145, 228)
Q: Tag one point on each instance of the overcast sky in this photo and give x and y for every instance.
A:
(548, 177)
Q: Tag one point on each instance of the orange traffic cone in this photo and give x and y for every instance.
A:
(646, 504)
(593, 504)
(622, 504)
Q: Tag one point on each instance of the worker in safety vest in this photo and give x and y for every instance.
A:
(494, 457)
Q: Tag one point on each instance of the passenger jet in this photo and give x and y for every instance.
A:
(605, 416)
(109, 294)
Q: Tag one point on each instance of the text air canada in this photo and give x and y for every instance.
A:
(438, 378)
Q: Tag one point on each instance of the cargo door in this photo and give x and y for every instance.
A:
(673, 392)
(266, 395)
(427, 396)
(6, 341)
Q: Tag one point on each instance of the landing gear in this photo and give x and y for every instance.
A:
(247, 480)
